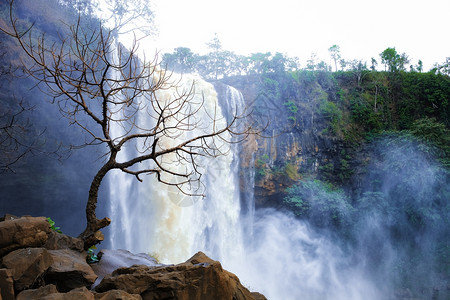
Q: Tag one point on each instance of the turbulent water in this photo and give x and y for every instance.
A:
(271, 252)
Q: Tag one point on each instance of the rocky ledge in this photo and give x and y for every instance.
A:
(38, 263)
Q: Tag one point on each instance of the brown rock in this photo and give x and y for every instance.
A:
(57, 241)
(69, 270)
(23, 233)
(28, 266)
(37, 293)
(258, 296)
(113, 259)
(198, 278)
(8, 217)
(116, 295)
(49, 292)
(6, 285)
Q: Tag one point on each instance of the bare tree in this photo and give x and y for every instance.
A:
(103, 88)
(16, 141)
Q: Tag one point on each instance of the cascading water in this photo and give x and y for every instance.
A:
(154, 218)
(271, 252)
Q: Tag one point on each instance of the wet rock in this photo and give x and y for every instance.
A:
(114, 259)
(258, 296)
(116, 295)
(69, 270)
(6, 285)
(50, 292)
(198, 278)
(28, 267)
(23, 232)
(37, 293)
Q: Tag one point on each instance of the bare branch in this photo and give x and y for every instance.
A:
(121, 101)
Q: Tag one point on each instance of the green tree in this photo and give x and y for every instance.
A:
(311, 63)
(393, 61)
(181, 60)
(335, 54)
(215, 59)
(419, 66)
(374, 64)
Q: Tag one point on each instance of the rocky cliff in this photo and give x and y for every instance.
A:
(303, 135)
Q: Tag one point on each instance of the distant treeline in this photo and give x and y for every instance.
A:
(219, 63)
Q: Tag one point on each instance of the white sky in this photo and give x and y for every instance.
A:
(361, 28)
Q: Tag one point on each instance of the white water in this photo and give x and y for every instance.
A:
(271, 252)
(154, 218)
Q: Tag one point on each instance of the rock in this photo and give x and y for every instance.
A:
(114, 259)
(49, 292)
(28, 267)
(69, 270)
(37, 293)
(6, 285)
(198, 278)
(8, 217)
(58, 241)
(258, 296)
(24, 232)
(116, 295)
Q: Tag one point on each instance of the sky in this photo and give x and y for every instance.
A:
(361, 28)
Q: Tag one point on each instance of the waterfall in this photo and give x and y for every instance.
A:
(154, 218)
(271, 252)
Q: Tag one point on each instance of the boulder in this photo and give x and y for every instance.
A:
(28, 267)
(114, 259)
(37, 293)
(8, 217)
(24, 232)
(58, 241)
(69, 270)
(50, 292)
(6, 285)
(258, 296)
(198, 278)
(116, 295)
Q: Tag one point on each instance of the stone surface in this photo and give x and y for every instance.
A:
(37, 293)
(23, 233)
(49, 292)
(114, 259)
(258, 296)
(6, 285)
(28, 267)
(198, 278)
(69, 270)
(8, 217)
(116, 295)
(58, 241)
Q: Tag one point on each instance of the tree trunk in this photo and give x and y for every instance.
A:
(91, 235)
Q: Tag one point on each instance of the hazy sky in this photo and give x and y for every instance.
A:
(361, 28)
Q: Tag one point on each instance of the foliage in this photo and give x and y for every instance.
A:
(52, 225)
(261, 167)
(436, 136)
(321, 203)
(332, 114)
(91, 257)
(394, 61)
(291, 171)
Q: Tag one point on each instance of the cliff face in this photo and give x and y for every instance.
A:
(303, 135)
